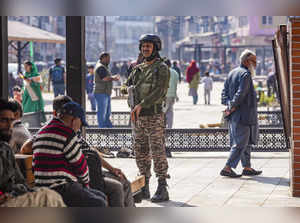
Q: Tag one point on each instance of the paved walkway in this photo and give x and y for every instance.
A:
(196, 181)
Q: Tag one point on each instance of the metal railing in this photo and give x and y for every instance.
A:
(187, 140)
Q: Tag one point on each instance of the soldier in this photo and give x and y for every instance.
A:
(149, 82)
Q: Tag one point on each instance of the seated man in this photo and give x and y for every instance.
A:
(117, 187)
(19, 133)
(59, 163)
(14, 192)
(119, 194)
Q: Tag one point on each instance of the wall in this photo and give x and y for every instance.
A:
(294, 39)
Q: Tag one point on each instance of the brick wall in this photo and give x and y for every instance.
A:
(294, 41)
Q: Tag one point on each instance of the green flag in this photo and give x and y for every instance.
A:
(31, 51)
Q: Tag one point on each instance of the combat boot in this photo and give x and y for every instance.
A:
(146, 190)
(161, 193)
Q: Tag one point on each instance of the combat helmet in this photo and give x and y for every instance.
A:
(150, 38)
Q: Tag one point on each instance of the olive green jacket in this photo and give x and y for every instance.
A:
(151, 83)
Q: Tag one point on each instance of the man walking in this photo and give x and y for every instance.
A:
(240, 98)
(57, 75)
(177, 69)
(150, 81)
(171, 95)
(90, 87)
(103, 89)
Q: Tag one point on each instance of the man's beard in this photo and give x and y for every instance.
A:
(5, 135)
(252, 70)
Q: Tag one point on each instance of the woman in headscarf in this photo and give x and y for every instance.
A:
(193, 77)
(32, 97)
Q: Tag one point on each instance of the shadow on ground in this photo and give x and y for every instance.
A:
(269, 180)
(172, 203)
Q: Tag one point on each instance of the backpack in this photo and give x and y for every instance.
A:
(57, 74)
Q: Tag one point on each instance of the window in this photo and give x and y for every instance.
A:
(267, 20)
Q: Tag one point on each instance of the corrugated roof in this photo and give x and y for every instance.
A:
(19, 31)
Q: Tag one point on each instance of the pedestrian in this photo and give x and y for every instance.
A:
(57, 76)
(271, 83)
(17, 93)
(171, 96)
(124, 69)
(193, 77)
(115, 69)
(32, 99)
(240, 98)
(59, 163)
(177, 69)
(150, 81)
(20, 133)
(90, 86)
(208, 86)
(103, 89)
(11, 84)
(14, 192)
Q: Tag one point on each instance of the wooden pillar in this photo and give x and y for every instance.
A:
(75, 54)
(294, 52)
(3, 57)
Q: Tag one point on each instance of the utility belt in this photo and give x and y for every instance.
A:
(153, 110)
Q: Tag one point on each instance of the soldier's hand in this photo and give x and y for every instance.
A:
(136, 113)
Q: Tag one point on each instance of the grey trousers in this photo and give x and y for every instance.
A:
(207, 96)
(170, 101)
(242, 137)
(118, 191)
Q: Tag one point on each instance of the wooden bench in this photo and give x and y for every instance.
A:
(25, 164)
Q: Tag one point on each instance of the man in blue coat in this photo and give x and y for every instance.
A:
(240, 98)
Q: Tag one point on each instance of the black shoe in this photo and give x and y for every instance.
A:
(230, 173)
(146, 190)
(161, 193)
(251, 172)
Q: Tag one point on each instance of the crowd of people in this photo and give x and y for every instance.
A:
(63, 172)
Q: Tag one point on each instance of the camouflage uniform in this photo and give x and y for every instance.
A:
(13, 183)
(150, 83)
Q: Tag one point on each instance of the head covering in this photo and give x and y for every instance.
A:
(191, 71)
(74, 109)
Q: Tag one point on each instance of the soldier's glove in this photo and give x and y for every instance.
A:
(124, 89)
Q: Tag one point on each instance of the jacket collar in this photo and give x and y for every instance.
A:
(243, 66)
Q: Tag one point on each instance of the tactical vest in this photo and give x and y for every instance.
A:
(102, 87)
(144, 78)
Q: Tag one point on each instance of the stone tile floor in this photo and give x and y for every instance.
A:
(195, 181)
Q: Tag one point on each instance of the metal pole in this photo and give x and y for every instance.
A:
(105, 35)
(264, 59)
(75, 51)
(19, 56)
(3, 57)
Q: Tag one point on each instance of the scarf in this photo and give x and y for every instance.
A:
(191, 71)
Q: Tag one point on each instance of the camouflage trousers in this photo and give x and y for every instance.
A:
(149, 143)
(43, 197)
